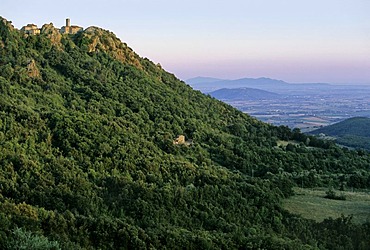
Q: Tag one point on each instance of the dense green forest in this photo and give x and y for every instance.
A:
(353, 132)
(88, 160)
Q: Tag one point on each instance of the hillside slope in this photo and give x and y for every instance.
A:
(353, 132)
(88, 159)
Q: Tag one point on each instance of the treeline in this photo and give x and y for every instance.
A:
(88, 160)
(353, 132)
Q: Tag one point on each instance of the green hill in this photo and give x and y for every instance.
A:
(353, 132)
(88, 158)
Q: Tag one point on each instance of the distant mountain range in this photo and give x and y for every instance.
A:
(201, 80)
(353, 132)
(209, 84)
(243, 94)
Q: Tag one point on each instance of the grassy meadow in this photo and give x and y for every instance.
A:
(311, 204)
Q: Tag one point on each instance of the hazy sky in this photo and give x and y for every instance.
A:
(291, 40)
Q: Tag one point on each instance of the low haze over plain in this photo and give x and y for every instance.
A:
(295, 41)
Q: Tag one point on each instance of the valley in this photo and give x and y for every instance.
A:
(306, 112)
(304, 106)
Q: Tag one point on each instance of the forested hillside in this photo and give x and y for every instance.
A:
(88, 159)
(353, 132)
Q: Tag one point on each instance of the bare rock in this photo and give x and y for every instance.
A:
(32, 69)
(103, 40)
(52, 33)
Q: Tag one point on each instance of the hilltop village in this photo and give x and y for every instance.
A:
(32, 29)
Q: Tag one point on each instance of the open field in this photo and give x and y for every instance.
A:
(285, 143)
(311, 204)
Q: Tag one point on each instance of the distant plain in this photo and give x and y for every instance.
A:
(305, 106)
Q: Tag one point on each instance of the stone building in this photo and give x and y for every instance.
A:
(179, 140)
(31, 29)
(68, 29)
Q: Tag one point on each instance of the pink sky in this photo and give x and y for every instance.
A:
(295, 41)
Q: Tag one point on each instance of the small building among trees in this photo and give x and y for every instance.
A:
(31, 29)
(179, 140)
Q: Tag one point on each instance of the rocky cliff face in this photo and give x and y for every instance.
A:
(98, 39)
(32, 69)
(52, 33)
(7, 23)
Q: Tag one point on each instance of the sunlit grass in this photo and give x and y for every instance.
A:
(285, 143)
(311, 204)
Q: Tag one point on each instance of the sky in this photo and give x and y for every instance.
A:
(292, 40)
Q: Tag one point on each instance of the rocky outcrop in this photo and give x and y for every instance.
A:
(93, 39)
(32, 69)
(102, 40)
(52, 33)
(7, 23)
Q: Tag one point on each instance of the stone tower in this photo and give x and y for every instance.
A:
(68, 29)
